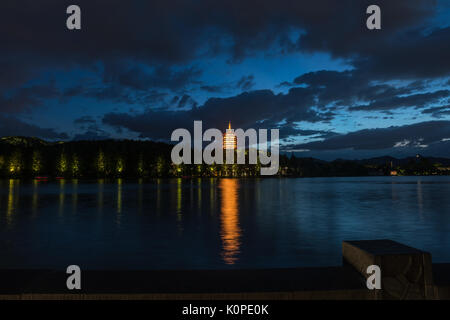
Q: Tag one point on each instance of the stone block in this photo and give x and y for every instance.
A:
(406, 272)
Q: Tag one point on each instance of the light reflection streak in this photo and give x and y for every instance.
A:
(10, 206)
(119, 196)
(119, 202)
(230, 230)
(179, 202)
(212, 196)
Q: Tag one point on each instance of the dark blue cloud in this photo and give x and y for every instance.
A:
(11, 126)
(246, 83)
(147, 67)
(252, 109)
(419, 135)
(438, 112)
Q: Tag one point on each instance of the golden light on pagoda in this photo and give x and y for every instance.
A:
(229, 138)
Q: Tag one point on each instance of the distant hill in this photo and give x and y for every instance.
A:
(24, 141)
(379, 161)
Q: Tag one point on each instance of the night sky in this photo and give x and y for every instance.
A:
(140, 69)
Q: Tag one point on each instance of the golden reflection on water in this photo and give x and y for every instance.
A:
(119, 195)
(212, 195)
(119, 202)
(10, 205)
(230, 230)
(179, 202)
(179, 198)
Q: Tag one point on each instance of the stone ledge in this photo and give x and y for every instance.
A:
(406, 272)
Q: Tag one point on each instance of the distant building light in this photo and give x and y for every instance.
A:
(229, 138)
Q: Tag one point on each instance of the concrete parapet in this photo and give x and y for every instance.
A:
(406, 272)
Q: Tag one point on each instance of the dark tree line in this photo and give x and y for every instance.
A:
(25, 157)
(31, 157)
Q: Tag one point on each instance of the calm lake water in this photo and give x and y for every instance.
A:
(216, 223)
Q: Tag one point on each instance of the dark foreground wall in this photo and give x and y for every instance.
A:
(404, 276)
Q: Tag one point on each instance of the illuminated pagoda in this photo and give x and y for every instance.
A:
(229, 138)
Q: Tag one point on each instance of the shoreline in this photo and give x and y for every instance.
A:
(53, 179)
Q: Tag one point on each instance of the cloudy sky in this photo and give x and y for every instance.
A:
(140, 69)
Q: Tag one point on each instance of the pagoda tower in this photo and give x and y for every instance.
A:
(229, 138)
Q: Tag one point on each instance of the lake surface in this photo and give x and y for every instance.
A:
(216, 223)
